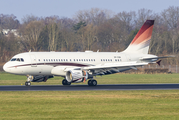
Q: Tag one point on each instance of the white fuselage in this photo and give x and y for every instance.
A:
(43, 63)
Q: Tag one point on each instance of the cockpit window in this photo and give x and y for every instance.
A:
(22, 60)
(17, 59)
(13, 59)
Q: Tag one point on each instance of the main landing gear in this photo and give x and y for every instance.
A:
(92, 82)
(65, 82)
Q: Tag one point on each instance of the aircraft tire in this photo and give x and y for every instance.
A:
(89, 82)
(68, 83)
(27, 83)
(65, 82)
(93, 83)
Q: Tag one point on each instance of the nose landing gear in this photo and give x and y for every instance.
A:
(27, 83)
(29, 78)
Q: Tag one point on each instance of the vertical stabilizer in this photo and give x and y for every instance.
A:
(141, 42)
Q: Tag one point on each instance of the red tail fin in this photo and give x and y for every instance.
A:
(141, 41)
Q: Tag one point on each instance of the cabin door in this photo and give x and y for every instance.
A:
(33, 61)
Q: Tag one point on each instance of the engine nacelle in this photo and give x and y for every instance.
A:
(76, 75)
(40, 78)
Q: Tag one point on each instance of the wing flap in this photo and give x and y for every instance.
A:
(116, 66)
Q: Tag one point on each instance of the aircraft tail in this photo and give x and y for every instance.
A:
(141, 42)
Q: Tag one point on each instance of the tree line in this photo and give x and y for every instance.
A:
(93, 29)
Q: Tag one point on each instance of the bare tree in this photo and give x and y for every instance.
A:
(29, 18)
(8, 22)
(53, 32)
(171, 18)
(143, 15)
(95, 16)
(30, 35)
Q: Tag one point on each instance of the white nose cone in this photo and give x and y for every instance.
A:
(5, 68)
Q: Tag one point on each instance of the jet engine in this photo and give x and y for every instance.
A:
(76, 75)
(40, 78)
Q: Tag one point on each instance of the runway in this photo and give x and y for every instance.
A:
(86, 87)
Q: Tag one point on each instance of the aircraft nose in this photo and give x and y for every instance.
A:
(5, 67)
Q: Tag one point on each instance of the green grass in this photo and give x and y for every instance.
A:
(124, 105)
(118, 105)
(10, 79)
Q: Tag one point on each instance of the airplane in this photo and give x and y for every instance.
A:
(78, 67)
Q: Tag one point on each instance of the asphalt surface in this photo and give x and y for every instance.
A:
(86, 87)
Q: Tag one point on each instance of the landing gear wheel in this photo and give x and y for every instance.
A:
(89, 82)
(92, 82)
(27, 83)
(65, 82)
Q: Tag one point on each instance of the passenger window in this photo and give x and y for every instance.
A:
(76, 59)
(61, 59)
(84, 59)
(70, 59)
(46, 59)
(66, 59)
(56, 59)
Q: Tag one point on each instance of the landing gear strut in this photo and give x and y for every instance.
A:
(65, 82)
(29, 78)
(92, 82)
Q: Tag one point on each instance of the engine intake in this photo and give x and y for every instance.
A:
(76, 75)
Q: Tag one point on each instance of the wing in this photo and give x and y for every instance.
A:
(109, 68)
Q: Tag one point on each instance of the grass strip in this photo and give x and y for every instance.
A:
(10, 79)
(125, 105)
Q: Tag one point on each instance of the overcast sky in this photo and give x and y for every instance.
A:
(68, 8)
